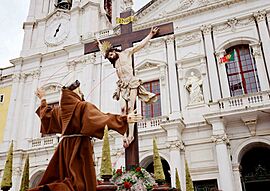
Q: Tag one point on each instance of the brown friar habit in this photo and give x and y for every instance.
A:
(71, 167)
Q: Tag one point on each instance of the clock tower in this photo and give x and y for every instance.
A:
(54, 24)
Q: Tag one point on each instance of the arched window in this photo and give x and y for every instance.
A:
(154, 109)
(241, 71)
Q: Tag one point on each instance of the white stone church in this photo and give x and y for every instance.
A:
(211, 77)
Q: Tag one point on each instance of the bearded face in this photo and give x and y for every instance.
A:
(113, 56)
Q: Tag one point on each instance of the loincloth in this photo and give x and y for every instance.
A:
(124, 89)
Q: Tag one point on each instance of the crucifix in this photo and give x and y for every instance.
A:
(126, 40)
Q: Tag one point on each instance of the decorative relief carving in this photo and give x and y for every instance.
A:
(220, 139)
(17, 171)
(233, 24)
(260, 16)
(256, 49)
(16, 77)
(191, 36)
(177, 145)
(206, 29)
(194, 87)
(183, 5)
(169, 39)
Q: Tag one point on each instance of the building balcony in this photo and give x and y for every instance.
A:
(151, 123)
(49, 141)
(248, 102)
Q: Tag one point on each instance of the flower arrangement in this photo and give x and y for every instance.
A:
(136, 179)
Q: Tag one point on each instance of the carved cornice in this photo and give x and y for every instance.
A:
(220, 139)
(184, 10)
(260, 16)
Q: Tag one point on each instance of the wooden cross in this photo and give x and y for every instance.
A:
(126, 40)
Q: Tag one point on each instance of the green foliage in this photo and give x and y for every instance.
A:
(6, 183)
(25, 176)
(189, 184)
(158, 168)
(177, 180)
(106, 164)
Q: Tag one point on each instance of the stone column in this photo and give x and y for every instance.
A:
(163, 90)
(262, 74)
(237, 177)
(264, 34)
(176, 160)
(18, 108)
(172, 73)
(223, 156)
(32, 106)
(223, 75)
(212, 67)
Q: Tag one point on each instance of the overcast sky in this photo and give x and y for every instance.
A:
(12, 15)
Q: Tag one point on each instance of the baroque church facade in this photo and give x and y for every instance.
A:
(211, 77)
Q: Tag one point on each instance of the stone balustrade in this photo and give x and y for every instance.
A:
(44, 142)
(151, 123)
(241, 102)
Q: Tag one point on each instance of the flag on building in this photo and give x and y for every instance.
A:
(228, 57)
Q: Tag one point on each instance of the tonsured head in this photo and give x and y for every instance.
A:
(75, 87)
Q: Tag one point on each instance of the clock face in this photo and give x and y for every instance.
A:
(57, 31)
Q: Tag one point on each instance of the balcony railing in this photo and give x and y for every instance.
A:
(241, 102)
(151, 123)
(44, 142)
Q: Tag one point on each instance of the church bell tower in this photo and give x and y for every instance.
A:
(54, 24)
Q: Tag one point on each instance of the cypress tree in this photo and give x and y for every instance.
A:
(25, 176)
(189, 184)
(6, 183)
(177, 180)
(158, 168)
(106, 165)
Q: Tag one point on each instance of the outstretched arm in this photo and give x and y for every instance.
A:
(140, 45)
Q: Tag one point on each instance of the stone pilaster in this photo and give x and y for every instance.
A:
(260, 17)
(262, 75)
(173, 85)
(212, 67)
(223, 156)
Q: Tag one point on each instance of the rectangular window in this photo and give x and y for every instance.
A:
(205, 185)
(1, 98)
(154, 109)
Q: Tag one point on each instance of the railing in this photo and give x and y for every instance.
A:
(241, 102)
(44, 142)
(151, 123)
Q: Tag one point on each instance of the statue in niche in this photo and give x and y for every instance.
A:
(194, 87)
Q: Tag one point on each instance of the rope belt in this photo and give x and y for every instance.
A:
(74, 135)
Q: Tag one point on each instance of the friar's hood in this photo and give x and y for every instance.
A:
(68, 103)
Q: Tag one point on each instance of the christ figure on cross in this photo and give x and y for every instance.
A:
(128, 86)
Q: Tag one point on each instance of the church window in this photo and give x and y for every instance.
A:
(153, 109)
(1, 98)
(241, 71)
